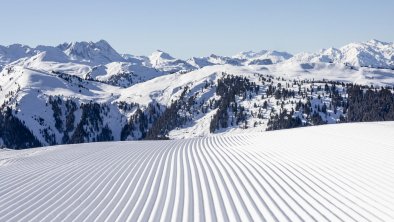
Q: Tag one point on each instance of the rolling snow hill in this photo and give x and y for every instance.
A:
(327, 173)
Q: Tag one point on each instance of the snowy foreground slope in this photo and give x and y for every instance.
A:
(325, 173)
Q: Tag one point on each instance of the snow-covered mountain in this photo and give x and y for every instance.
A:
(77, 52)
(12, 53)
(263, 57)
(91, 52)
(200, 62)
(166, 63)
(56, 107)
(123, 74)
(137, 60)
(94, 61)
(57, 95)
(373, 53)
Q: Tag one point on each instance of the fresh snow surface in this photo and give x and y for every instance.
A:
(337, 172)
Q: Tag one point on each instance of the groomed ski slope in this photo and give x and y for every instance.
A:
(341, 172)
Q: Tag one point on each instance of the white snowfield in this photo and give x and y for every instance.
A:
(340, 172)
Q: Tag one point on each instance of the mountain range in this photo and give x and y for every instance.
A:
(87, 91)
(372, 53)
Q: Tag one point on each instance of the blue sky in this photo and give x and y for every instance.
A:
(197, 28)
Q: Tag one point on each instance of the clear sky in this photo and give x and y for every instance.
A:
(198, 28)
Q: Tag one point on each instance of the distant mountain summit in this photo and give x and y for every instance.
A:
(159, 57)
(263, 57)
(99, 52)
(373, 53)
(166, 63)
(14, 52)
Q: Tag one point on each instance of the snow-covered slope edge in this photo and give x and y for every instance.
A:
(308, 176)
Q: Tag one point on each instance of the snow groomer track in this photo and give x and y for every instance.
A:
(341, 172)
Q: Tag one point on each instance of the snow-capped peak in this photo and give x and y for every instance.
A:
(373, 53)
(159, 57)
(166, 63)
(99, 52)
(14, 52)
(199, 62)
